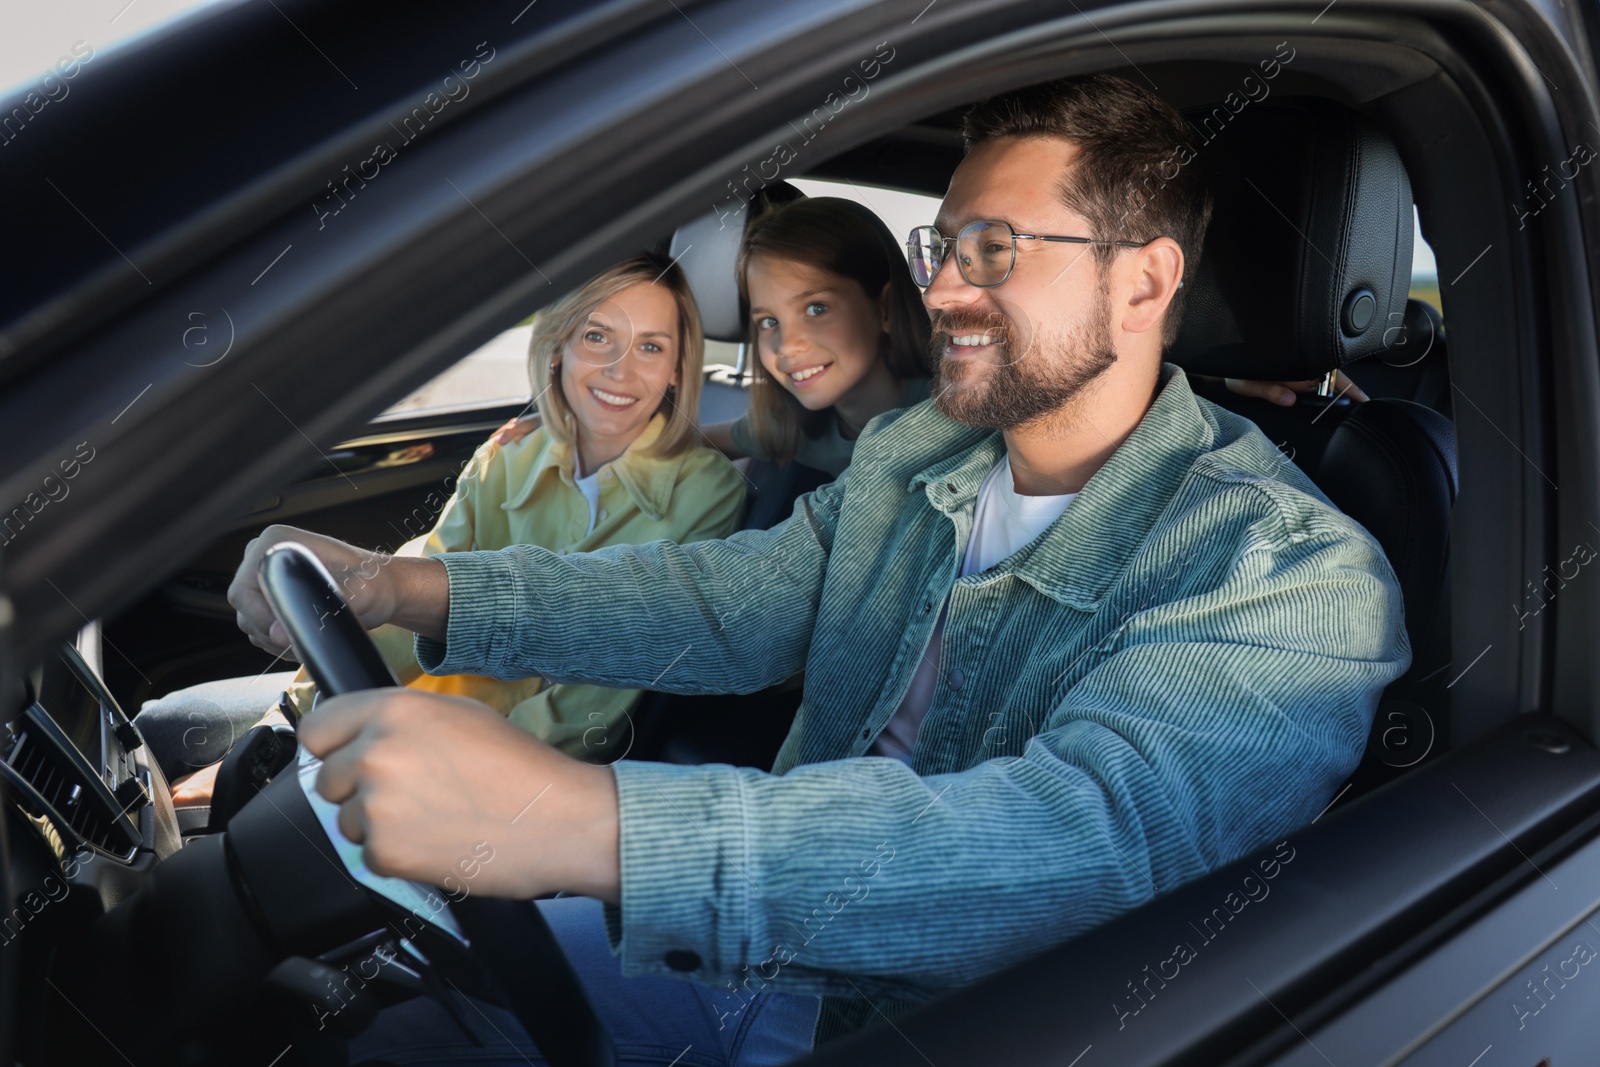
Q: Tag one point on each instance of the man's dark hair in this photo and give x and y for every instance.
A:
(1132, 179)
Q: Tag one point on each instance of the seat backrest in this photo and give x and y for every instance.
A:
(706, 250)
(1306, 269)
(1391, 466)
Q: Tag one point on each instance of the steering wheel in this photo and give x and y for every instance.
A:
(509, 937)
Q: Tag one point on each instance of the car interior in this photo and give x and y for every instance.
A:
(1390, 464)
(1306, 270)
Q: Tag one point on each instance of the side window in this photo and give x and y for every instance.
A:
(721, 354)
(1424, 269)
(494, 375)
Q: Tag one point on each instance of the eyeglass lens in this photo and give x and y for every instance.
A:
(985, 252)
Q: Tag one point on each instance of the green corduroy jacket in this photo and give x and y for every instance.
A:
(1182, 668)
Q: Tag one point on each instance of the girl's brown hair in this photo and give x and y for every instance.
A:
(847, 239)
(557, 324)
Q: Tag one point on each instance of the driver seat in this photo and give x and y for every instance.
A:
(1305, 269)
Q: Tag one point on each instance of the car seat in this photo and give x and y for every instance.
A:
(1305, 269)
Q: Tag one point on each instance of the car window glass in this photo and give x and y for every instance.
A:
(38, 36)
(494, 374)
(1424, 269)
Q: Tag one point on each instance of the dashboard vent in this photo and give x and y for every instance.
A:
(68, 792)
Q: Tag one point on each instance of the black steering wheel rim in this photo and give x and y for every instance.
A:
(509, 938)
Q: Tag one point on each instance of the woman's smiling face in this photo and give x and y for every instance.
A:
(618, 366)
(817, 333)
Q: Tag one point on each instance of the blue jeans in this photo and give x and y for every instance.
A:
(194, 727)
(652, 1020)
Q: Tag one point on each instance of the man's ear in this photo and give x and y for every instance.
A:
(1156, 272)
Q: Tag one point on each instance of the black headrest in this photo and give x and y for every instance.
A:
(707, 250)
(1307, 261)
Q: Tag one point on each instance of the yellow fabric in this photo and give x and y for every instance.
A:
(526, 493)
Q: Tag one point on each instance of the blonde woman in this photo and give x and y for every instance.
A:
(616, 373)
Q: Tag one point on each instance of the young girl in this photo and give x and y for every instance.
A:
(838, 328)
(616, 372)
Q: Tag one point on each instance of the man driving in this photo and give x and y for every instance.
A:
(1071, 637)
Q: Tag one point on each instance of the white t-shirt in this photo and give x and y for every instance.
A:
(590, 488)
(1003, 522)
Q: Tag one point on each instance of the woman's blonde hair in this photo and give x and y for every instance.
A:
(557, 324)
(844, 238)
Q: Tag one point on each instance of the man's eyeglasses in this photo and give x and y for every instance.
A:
(986, 251)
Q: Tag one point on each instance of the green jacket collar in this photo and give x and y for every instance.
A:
(648, 478)
(1079, 556)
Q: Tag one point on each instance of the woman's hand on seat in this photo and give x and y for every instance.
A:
(1284, 393)
(516, 430)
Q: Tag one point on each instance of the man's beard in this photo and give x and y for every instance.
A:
(1023, 387)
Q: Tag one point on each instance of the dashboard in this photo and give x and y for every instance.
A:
(184, 948)
(82, 802)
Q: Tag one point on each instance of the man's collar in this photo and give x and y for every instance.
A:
(648, 478)
(953, 482)
(1080, 555)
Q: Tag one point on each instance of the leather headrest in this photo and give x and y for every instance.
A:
(1307, 261)
(706, 249)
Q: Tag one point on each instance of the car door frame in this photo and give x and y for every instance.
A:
(355, 294)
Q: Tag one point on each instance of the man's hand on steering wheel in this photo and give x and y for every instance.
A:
(432, 786)
(410, 591)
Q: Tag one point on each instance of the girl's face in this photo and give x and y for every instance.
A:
(619, 364)
(817, 333)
